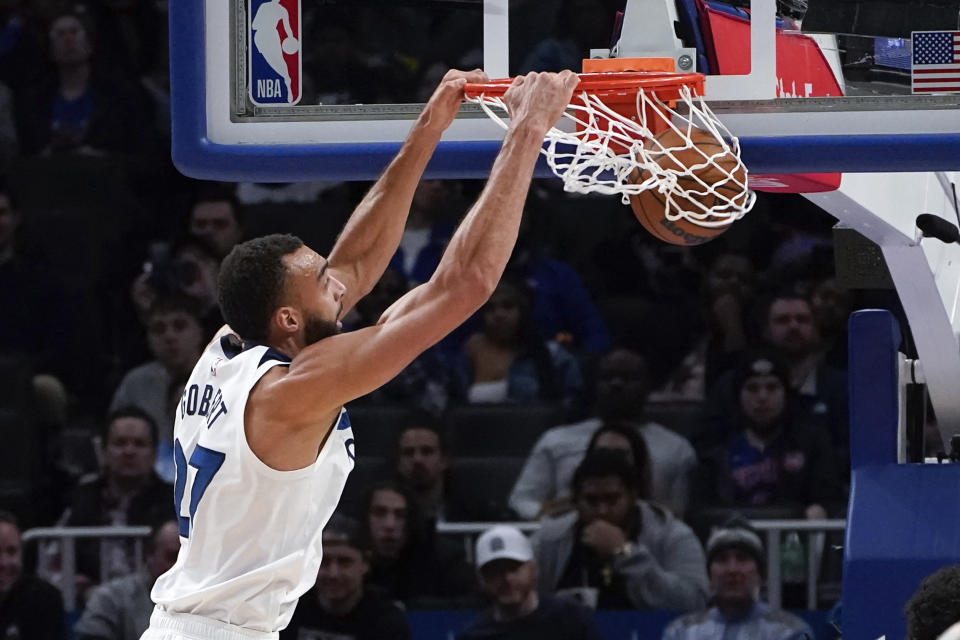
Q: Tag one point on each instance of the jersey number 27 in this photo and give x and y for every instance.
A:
(207, 462)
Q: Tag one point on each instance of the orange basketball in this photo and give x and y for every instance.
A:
(650, 206)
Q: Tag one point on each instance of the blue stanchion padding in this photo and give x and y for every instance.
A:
(874, 341)
(902, 526)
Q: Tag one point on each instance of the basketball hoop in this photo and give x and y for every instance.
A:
(632, 135)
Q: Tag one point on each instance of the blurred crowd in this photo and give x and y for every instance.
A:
(637, 399)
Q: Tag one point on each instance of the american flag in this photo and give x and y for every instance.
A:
(936, 61)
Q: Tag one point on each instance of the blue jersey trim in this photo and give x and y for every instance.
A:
(273, 354)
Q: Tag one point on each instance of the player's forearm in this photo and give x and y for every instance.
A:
(373, 232)
(478, 252)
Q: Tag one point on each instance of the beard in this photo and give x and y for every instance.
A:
(316, 329)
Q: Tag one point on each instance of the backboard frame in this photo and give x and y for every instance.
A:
(775, 135)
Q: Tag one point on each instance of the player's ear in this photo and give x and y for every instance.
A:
(287, 319)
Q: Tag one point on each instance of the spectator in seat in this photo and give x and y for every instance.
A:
(429, 228)
(408, 560)
(128, 492)
(774, 458)
(35, 321)
(422, 463)
(735, 562)
(934, 608)
(120, 609)
(563, 309)
(82, 108)
(188, 268)
(29, 607)
(340, 605)
(624, 438)
(175, 338)
(508, 578)
(617, 551)
(508, 361)
(790, 330)
(728, 298)
(621, 388)
(216, 217)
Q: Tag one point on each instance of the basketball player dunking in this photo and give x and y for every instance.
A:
(263, 445)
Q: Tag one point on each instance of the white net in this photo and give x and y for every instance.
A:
(694, 164)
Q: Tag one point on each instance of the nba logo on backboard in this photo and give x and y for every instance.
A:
(274, 46)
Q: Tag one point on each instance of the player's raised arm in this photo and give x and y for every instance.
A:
(372, 234)
(350, 365)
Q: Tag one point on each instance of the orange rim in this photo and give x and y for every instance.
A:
(609, 85)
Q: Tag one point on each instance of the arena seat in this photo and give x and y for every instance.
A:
(489, 479)
(681, 416)
(367, 472)
(498, 430)
(376, 428)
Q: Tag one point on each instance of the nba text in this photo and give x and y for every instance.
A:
(269, 89)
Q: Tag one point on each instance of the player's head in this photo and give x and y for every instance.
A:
(508, 574)
(275, 289)
(605, 488)
(934, 607)
(11, 552)
(129, 443)
(345, 563)
(625, 438)
(735, 564)
(162, 547)
(421, 459)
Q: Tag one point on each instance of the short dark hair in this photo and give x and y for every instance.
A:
(175, 302)
(252, 279)
(786, 293)
(419, 419)
(156, 526)
(934, 607)
(604, 463)
(129, 411)
(638, 447)
(348, 530)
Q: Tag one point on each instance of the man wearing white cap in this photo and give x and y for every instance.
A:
(508, 578)
(735, 562)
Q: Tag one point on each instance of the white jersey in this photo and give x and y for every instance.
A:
(250, 535)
